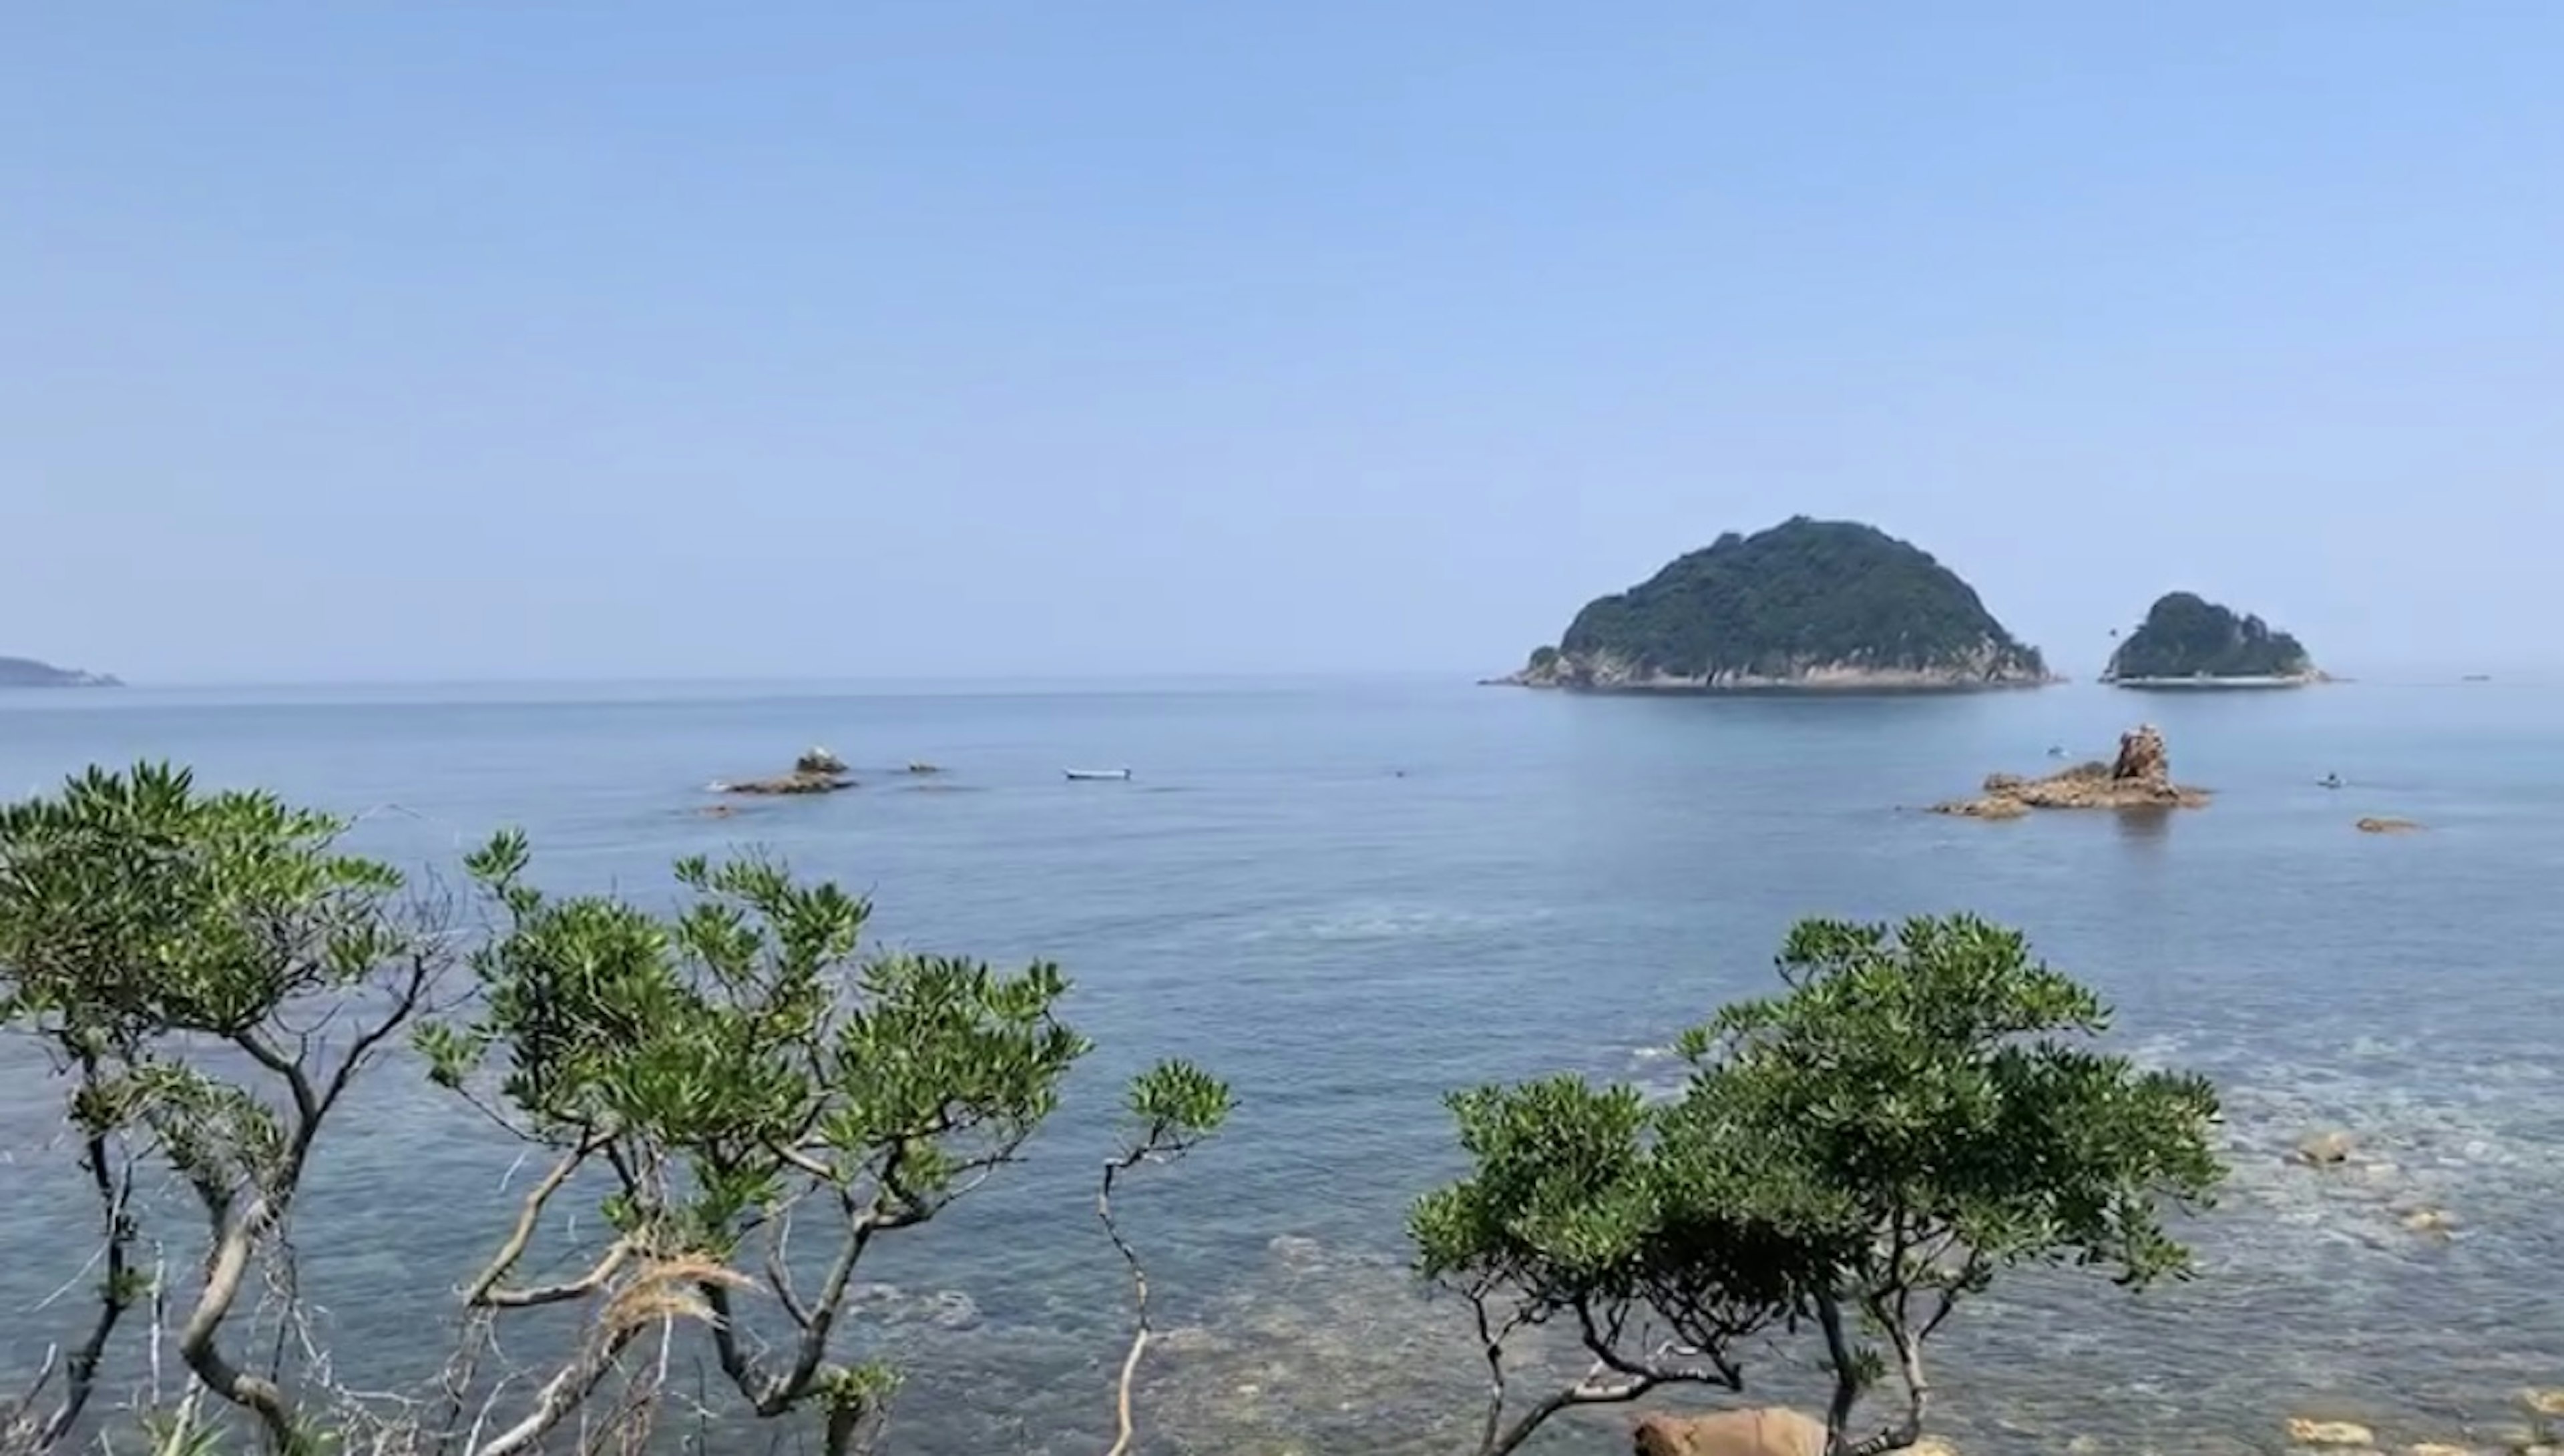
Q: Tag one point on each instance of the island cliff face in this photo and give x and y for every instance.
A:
(2189, 640)
(1807, 605)
(24, 672)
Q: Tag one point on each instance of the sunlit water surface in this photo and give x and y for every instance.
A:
(1347, 898)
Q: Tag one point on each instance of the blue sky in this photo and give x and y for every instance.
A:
(479, 339)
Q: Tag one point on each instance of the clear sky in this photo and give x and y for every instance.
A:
(490, 340)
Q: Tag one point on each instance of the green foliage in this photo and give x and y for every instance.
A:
(739, 1046)
(132, 906)
(2185, 636)
(1173, 1105)
(1804, 593)
(209, 973)
(739, 1062)
(1919, 1110)
(1933, 1087)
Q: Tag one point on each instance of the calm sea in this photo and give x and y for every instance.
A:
(1347, 898)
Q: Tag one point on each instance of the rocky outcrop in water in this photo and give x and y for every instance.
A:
(2385, 825)
(816, 771)
(2140, 777)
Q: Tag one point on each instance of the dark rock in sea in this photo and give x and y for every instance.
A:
(817, 772)
(819, 761)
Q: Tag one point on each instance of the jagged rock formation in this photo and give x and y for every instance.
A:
(1807, 605)
(2140, 777)
(2189, 641)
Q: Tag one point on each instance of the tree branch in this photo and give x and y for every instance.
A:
(116, 1294)
(235, 1244)
(1847, 1363)
(522, 1236)
(565, 1392)
(1113, 1169)
(553, 1294)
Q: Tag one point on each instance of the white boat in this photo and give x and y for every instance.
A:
(1085, 774)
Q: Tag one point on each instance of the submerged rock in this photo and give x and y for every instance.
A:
(2374, 825)
(2324, 1150)
(2329, 1433)
(2431, 1222)
(1771, 1431)
(2140, 777)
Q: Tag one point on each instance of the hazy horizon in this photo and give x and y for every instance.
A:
(984, 341)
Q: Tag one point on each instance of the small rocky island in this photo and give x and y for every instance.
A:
(816, 771)
(1805, 605)
(2139, 778)
(2186, 641)
(26, 672)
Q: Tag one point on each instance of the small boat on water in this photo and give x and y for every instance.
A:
(1086, 776)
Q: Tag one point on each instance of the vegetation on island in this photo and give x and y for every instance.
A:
(26, 672)
(2187, 636)
(1805, 601)
(1917, 1110)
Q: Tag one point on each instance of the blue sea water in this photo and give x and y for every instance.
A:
(1350, 897)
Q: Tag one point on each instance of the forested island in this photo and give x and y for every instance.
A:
(2189, 641)
(26, 672)
(1805, 604)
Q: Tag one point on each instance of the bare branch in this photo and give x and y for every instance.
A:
(236, 1241)
(115, 1190)
(1140, 1295)
(530, 1214)
(552, 1294)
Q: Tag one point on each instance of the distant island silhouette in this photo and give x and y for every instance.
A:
(26, 672)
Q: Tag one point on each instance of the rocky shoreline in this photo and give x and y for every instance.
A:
(1565, 673)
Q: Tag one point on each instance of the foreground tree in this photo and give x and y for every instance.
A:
(211, 974)
(1920, 1110)
(736, 1073)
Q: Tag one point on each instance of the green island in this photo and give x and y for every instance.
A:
(26, 672)
(2187, 640)
(1805, 605)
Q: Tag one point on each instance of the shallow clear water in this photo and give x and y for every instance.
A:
(1347, 898)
